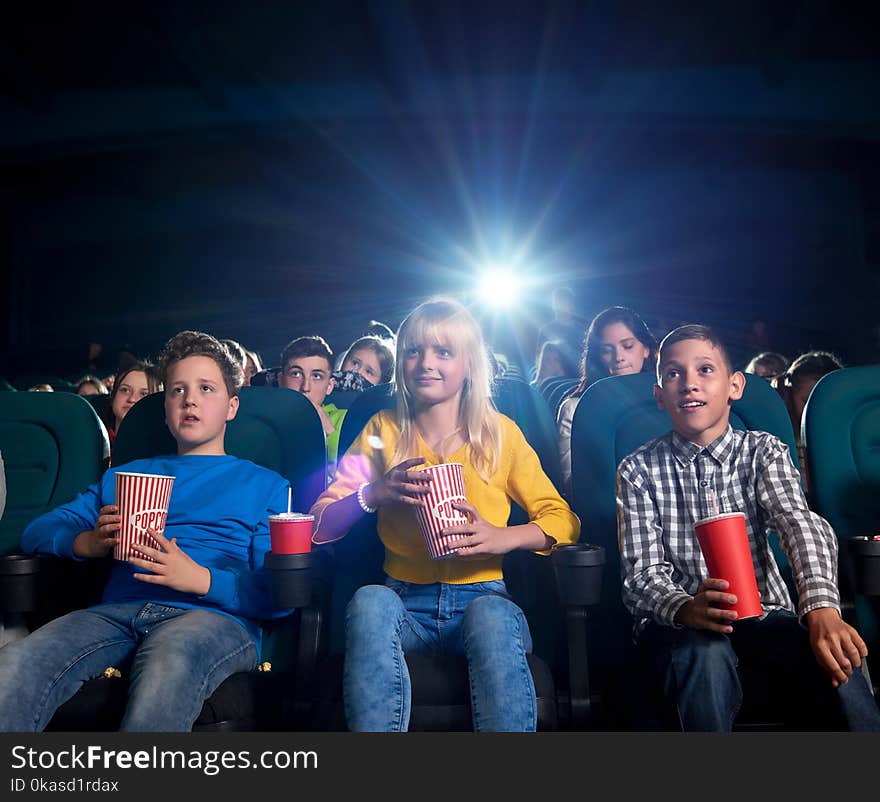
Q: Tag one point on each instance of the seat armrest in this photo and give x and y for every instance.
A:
(578, 570)
(18, 583)
(864, 555)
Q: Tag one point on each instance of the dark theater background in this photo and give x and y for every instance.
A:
(270, 169)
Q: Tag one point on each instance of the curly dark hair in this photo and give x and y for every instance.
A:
(196, 343)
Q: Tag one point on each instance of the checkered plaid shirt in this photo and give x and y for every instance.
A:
(668, 483)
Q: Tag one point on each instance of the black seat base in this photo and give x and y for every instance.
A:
(246, 701)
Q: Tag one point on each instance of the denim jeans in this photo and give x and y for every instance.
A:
(706, 674)
(175, 658)
(479, 620)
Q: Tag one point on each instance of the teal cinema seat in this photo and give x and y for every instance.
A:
(841, 429)
(54, 446)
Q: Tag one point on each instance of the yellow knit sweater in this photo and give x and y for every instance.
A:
(519, 477)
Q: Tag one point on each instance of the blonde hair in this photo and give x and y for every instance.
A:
(445, 321)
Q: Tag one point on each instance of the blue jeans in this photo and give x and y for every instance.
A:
(478, 620)
(706, 675)
(175, 659)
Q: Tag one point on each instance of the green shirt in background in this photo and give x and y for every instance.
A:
(336, 415)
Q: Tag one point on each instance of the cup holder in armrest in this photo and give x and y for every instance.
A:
(578, 568)
(865, 556)
(291, 578)
(18, 583)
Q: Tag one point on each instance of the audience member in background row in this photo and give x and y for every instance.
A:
(498, 364)
(795, 386)
(553, 361)
(503, 367)
(757, 338)
(237, 350)
(371, 357)
(252, 366)
(125, 358)
(41, 388)
(97, 360)
(307, 367)
(692, 645)
(566, 329)
(183, 617)
(459, 605)
(131, 385)
(90, 385)
(618, 342)
(767, 364)
(378, 329)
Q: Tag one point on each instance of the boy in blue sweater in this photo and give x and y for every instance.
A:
(185, 619)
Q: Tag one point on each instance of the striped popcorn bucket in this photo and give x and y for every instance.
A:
(142, 499)
(436, 512)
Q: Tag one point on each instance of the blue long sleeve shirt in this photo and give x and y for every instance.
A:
(219, 511)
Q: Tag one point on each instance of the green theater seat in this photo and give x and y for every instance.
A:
(841, 428)
(54, 447)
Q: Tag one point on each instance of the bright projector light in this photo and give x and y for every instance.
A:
(499, 287)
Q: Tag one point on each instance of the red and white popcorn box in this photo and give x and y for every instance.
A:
(436, 512)
(143, 500)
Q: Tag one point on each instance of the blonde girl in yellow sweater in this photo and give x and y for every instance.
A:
(460, 605)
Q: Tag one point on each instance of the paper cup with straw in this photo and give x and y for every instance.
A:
(291, 532)
(143, 500)
(436, 512)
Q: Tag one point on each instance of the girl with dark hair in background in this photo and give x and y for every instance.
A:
(618, 342)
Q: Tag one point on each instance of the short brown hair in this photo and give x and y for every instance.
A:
(196, 343)
(693, 331)
(310, 345)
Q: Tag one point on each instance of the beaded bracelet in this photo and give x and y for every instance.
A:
(362, 501)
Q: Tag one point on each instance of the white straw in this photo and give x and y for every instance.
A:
(714, 496)
(289, 497)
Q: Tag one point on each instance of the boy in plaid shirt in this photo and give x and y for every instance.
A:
(812, 658)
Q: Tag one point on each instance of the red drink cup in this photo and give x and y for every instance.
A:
(436, 512)
(724, 542)
(142, 499)
(291, 532)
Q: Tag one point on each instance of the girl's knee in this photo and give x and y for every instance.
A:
(373, 606)
(488, 614)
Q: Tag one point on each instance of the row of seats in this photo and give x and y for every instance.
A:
(281, 430)
(555, 389)
(25, 381)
